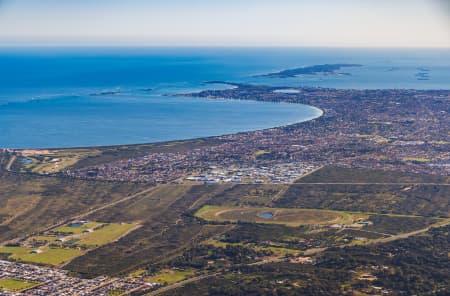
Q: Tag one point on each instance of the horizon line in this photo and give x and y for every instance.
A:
(212, 46)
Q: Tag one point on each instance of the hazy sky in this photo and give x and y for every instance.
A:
(381, 23)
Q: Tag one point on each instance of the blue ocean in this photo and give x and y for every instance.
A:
(73, 97)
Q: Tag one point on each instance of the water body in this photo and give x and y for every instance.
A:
(26, 161)
(46, 93)
(127, 119)
(75, 224)
(267, 215)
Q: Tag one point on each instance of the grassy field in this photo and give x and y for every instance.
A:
(277, 251)
(49, 256)
(77, 230)
(106, 234)
(57, 254)
(15, 285)
(417, 159)
(44, 238)
(289, 217)
(260, 153)
(170, 276)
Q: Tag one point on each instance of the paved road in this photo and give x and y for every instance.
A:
(10, 163)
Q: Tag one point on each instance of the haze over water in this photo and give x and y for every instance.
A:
(46, 101)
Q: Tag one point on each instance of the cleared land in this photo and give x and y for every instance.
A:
(15, 285)
(49, 256)
(289, 217)
(29, 203)
(57, 250)
(169, 276)
(77, 230)
(106, 234)
(89, 235)
(116, 292)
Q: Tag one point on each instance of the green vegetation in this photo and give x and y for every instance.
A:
(417, 159)
(170, 223)
(30, 203)
(169, 276)
(137, 273)
(77, 230)
(277, 251)
(167, 230)
(261, 153)
(106, 234)
(44, 238)
(47, 255)
(15, 285)
(420, 200)
(50, 250)
(195, 229)
(413, 266)
(53, 161)
(347, 175)
(394, 224)
(220, 244)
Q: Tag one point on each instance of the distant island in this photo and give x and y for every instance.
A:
(326, 69)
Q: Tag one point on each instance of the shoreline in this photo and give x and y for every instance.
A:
(379, 129)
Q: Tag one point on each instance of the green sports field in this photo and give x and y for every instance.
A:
(50, 256)
(15, 285)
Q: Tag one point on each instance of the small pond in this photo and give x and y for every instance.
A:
(26, 161)
(267, 215)
(78, 224)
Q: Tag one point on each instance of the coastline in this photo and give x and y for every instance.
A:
(353, 128)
